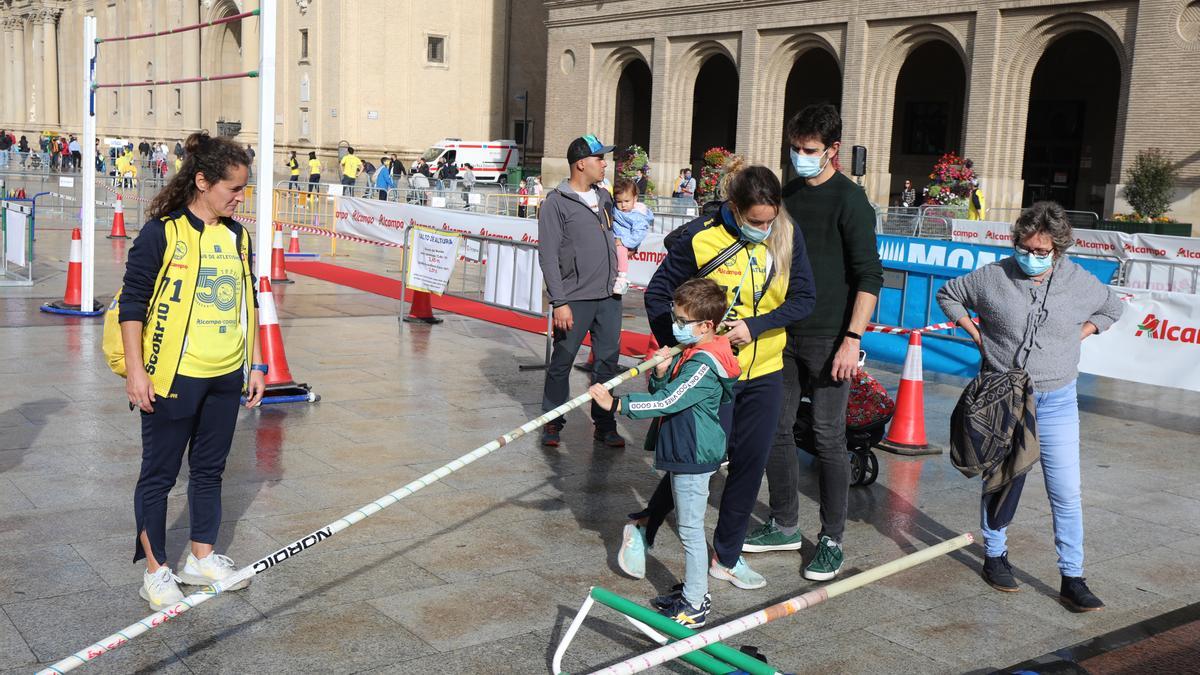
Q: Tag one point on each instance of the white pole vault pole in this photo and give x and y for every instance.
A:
(88, 170)
(264, 191)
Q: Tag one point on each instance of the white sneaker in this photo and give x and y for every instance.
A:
(621, 285)
(160, 589)
(209, 570)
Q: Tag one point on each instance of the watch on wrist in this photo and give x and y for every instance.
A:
(260, 367)
(852, 334)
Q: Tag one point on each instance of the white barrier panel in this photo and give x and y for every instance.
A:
(15, 235)
(1152, 247)
(513, 278)
(1157, 341)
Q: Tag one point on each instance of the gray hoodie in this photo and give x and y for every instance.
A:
(575, 246)
(1007, 302)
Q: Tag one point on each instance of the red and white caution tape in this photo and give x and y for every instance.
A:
(893, 330)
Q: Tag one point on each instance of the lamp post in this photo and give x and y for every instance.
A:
(524, 98)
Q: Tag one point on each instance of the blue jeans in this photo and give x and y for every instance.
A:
(690, 491)
(1058, 435)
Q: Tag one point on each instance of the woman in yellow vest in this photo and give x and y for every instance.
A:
(188, 323)
(293, 165)
(314, 172)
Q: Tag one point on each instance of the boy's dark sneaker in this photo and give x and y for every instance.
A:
(550, 434)
(668, 599)
(998, 573)
(1075, 594)
(610, 438)
(685, 614)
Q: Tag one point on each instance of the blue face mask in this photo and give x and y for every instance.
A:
(683, 334)
(1033, 265)
(753, 234)
(807, 166)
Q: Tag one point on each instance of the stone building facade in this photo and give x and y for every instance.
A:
(1051, 99)
(394, 75)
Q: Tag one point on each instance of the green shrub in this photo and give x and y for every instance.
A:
(1150, 183)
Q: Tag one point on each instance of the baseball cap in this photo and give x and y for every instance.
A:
(586, 146)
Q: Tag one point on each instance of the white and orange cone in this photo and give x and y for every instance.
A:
(278, 373)
(294, 244)
(278, 269)
(906, 436)
(118, 223)
(72, 297)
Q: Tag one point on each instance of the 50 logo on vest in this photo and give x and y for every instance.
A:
(221, 290)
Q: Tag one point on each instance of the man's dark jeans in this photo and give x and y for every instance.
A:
(807, 368)
(601, 318)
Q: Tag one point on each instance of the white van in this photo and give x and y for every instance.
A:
(491, 160)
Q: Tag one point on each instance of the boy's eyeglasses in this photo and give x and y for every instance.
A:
(682, 322)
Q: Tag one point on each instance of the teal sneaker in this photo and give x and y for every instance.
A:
(827, 562)
(769, 538)
(631, 558)
(739, 575)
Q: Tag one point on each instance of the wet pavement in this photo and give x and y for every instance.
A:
(482, 571)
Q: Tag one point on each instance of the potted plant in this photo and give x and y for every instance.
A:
(709, 187)
(1148, 188)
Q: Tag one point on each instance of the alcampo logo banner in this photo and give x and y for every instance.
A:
(1151, 247)
(1156, 341)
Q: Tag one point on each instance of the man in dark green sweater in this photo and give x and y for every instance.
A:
(821, 356)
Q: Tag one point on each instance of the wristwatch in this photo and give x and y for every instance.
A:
(260, 367)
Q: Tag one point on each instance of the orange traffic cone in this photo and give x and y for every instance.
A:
(118, 224)
(278, 373)
(907, 433)
(294, 245)
(421, 310)
(70, 304)
(278, 270)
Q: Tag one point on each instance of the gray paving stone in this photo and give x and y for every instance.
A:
(31, 573)
(13, 650)
(12, 499)
(346, 638)
(857, 651)
(472, 612)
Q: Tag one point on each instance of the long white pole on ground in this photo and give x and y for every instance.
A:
(265, 164)
(788, 607)
(123, 636)
(88, 170)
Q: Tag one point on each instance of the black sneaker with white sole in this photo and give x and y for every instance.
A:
(685, 614)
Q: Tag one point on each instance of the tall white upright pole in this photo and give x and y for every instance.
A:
(88, 170)
(264, 190)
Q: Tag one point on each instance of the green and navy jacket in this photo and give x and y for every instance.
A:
(687, 436)
(158, 291)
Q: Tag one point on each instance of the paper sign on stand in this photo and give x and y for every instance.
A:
(431, 260)
(15, 223)
(514, 278)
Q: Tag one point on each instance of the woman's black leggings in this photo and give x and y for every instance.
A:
(203, 416)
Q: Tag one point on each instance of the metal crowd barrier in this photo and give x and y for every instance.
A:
(1149, 274)
(470, 281)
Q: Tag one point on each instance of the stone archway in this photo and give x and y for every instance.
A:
(815, 77)
(928, 114)
(714, 109)
(1072, 122)
(222, 48)
(633, 105)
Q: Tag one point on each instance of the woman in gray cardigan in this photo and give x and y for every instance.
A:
(1015, 325)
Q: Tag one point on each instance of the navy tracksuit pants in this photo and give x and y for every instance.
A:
(201, 420)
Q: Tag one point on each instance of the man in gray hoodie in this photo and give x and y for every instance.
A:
(579, 262)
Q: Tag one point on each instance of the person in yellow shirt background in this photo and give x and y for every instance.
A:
(293, 166)
(351, 167)
(314, 172)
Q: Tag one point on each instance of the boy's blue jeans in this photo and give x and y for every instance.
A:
(690, 491)
(1058, 435)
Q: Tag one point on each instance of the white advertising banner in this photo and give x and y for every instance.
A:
(385, 221)
(1157, 341)
(1153, 247)
(431, 260)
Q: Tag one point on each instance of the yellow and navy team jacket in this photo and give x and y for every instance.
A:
(766, 305)
(159, 289)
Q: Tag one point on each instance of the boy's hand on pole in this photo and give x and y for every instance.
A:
(663, 353)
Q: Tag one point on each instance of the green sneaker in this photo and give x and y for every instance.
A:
(827, 562)
(769, 538)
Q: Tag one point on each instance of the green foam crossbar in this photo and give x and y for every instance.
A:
(723, 654)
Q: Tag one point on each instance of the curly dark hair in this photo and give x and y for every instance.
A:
(820, 119)
(203, 154)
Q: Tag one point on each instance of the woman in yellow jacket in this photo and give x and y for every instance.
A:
(759, 258)
(188, 323)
